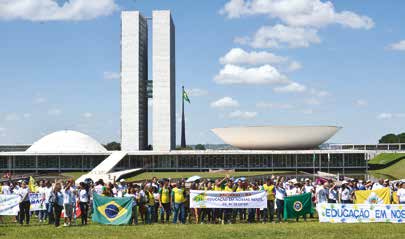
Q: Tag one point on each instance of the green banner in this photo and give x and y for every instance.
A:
(297, 205)
(110, 210)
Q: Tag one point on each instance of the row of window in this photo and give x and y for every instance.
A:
(172, 162)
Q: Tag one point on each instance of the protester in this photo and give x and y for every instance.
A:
(401, 193)
(177, 201)
(280, 194)
(23, 192)
(83, 202)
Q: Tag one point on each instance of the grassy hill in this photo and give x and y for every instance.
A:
(395, 171)
(386, 158)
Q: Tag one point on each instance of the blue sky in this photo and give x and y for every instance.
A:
(244, 62)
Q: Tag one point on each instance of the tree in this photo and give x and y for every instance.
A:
(401, 137)
(389, 138)
(113, 146)
(199, 147)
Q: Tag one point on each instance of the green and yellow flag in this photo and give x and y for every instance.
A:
(185, 97)
(379, 196)
(297, 205)
(110, 210)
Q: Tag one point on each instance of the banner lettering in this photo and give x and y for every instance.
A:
(361, 213)
(9, 205)
(217, 199)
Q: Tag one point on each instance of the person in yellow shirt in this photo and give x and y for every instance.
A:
(271, 191)
(228, 211)
(206, 212)
(242, 212)
(177, 202)
(150, 204)
(164, 202)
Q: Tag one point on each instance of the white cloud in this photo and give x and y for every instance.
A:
(225, 102)
(266, 74)
(303, 13)
(387, 116)
(319, 93)
(39, 100)
(268, 105)
(87, 115)
(384, 116)
(238, 56)
(111, 75)
(26, 115)
(242, 115)
(11, 117)
(291, 87)
(196, 92)
(2, 129)
(50, 10)
(284, 36)
(294, 66)
(54, 112)
(399, 46)
(361, 103)
(312, 101)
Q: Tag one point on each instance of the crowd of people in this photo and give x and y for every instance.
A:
(167, 201)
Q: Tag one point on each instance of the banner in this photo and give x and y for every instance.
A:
(297, 205)
(357, 213)
(379, 196)
(110, 210)
(217, 199)
(37, 202)
(9, 205)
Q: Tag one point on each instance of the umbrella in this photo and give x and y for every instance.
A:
(193, 179)
(240, 179)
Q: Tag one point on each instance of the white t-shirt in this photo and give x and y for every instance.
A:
(377, 186)
(401, 194)
(83, 195)
(5, 190)
(67, 196)
(48, 193)
(345, 194)
(308, 188)
(98, 189)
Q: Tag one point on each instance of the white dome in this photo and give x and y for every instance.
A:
(66, 141)
(276, 137)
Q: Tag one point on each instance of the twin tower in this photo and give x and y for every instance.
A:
(135, 80)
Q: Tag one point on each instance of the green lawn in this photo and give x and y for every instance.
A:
(149, 175)
(250, 231)
(395, 171)
(385, 158)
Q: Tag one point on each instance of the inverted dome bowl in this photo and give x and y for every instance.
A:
(276, 137)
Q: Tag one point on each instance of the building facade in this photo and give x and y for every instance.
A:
(134, 78)
(164, 80)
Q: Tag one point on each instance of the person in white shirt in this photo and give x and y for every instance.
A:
(345, 194)
(24, 194)
(5, 189)
(41, 192)
(401, 193)
(280, 195)
(49, 207)
(84, 202)
(67, 204)
(378, 185)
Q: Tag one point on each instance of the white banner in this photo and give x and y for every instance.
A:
(219, 199)
(9, 205)
(37, 202)
(361, 213)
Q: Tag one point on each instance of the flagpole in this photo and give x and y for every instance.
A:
(183, 125)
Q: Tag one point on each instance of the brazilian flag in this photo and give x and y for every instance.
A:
(297, 205)
(110, 210)
(185, 96)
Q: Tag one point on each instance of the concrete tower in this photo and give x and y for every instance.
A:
(164, 79)
(134, 77)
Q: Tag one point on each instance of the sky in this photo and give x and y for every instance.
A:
(243, 62)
